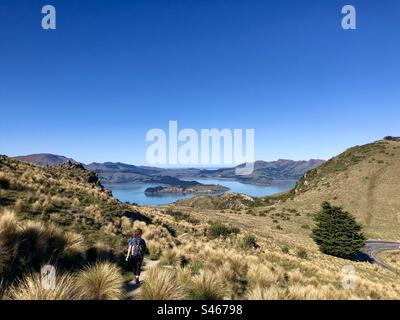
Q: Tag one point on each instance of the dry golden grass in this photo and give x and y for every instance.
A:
(102, 281)
(262, 293)
(262, 276)
(19, 206)
(74, 243)
(392, 258)
(31, 288)
(208, 286)
(155, 249)
(161, 284)
(9, 228)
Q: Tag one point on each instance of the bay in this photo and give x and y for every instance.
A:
(134, 192)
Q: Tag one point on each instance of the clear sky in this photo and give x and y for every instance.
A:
(112, 70)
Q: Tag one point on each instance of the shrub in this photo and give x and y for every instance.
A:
(249, 242)
(101, 281)
(336, 232)
(285, 249)
(217, 230)
(302, 254)
(178, 215)
(161, 284)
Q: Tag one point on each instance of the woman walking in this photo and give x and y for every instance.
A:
(136, 251)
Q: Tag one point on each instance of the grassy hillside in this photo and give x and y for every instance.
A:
(363, 179)
(66, 195)
(228, 252)
(62, 215)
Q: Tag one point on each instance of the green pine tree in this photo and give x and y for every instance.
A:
(336, 232)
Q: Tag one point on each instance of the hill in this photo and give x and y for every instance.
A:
(67, 195)
(43, 159)
(363, 180)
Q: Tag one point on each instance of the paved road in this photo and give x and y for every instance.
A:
(373, 247)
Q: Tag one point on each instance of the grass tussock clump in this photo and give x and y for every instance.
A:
(208, 286)
(260, 293)
(161, 284)
(30, 244)
(174, 257)
(262, 276)
(102, 281)
(31, 288)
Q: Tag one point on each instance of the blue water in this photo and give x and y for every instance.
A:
(134, 192)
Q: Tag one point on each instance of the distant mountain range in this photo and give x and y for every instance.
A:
(110, 172)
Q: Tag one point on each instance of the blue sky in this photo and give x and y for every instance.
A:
(113, 70)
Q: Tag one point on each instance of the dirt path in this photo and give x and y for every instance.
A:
(131, 288)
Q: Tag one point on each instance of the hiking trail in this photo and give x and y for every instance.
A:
(131, 288)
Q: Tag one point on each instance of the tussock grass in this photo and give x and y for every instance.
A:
(29, 244)
(262, 276)
(31, 288)
(102, 281)
(208, 286)
(9, 228)
(174, 257)
(74, 243)
(155, 249)
(161, 284)
(260, 293)
(19, 206)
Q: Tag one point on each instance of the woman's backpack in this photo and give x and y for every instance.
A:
(136, 250)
